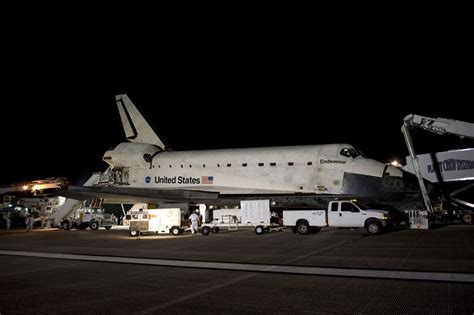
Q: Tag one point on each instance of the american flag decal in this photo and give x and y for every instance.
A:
(207, 179)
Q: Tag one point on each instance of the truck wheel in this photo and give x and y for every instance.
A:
(65, 226)
(374, 227)
(133, 233)
(215, 230)
(466, 218)
(303, 228)
(94, 225)
(205, 230)
(259, 230)
(175, 230)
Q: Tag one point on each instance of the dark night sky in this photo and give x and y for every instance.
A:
(59, 113)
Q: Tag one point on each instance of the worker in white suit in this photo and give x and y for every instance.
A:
(194, 217)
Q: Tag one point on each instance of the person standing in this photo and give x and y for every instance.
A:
(27, 222)
(30, 220)
(194, 217)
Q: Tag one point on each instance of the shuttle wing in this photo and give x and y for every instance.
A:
(133, 195)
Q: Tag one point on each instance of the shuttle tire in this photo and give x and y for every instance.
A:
(134, 233)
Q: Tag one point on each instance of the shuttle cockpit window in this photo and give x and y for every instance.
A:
(361, 153)
(350, 152)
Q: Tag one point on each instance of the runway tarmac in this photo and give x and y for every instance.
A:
(335, 271)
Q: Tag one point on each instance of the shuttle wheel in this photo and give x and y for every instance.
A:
(374, 227)
(133, 233)
(205, 230)
(215, 230)
(175, 230)
(259, 230)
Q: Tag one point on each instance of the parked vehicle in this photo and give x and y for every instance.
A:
(340, 213)
(344, 213)
(93, 218)
(158, 221)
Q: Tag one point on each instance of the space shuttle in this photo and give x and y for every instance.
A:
(144, 169)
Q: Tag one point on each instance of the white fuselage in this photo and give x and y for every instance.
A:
(297, 169)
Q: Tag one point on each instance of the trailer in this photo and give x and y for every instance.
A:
(257, 213)
(214, 219)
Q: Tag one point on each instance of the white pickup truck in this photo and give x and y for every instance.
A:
(340, 213)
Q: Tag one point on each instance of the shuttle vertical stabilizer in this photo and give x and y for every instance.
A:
(135, 126)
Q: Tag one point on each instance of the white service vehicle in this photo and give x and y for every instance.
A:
(158, 221)
(345, 213)
(89, 217)
(340, 213)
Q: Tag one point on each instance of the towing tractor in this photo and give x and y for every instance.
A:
(89, 218)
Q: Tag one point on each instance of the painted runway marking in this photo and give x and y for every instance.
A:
(315, 271)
